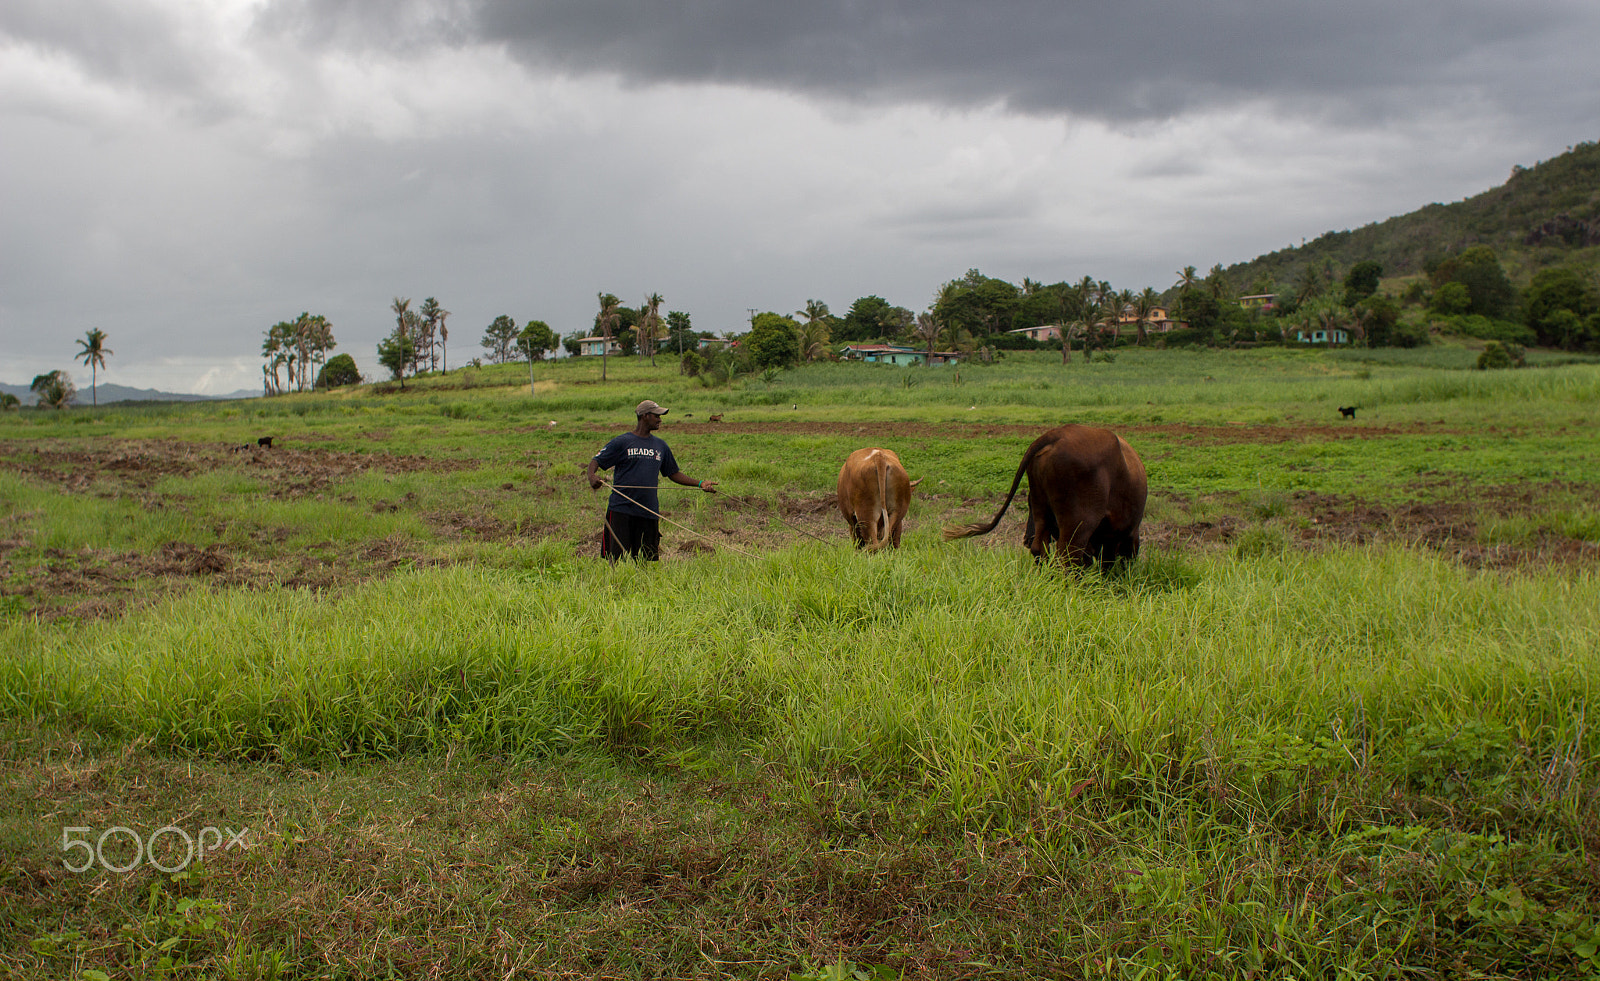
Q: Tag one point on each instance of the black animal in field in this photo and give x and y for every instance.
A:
(265, 441)
(1348, 411)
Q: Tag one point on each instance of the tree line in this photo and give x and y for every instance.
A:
(981, 316)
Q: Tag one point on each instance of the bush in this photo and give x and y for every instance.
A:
(1483, 328)
(1498, 355)
(1409, 334)
(340, 370)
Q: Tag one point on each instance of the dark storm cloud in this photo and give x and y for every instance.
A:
(1117, 61)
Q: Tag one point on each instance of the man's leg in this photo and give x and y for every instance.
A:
(613, 537)
(649, 539)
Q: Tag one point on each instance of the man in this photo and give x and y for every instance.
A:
(633, 525)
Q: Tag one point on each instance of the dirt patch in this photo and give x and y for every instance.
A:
(1450, 526)
(286, 471)
(469, 524)
(1200, 435)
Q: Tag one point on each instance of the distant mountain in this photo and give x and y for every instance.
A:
(108, 393)
(1544, 215)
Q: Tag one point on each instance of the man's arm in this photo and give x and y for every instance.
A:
(709, 486)
(595, 482)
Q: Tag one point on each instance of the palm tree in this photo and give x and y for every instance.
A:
(432, 321)
(1125, 308)
(927, 329)
(1143, 306)
(1071, 301)
(814, 331)
(1188, 278)
(94, 355)
(1095, 312)
(606, 321)
(403, 316)
(275, 349)
(649, 326)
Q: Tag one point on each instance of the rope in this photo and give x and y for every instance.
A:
(736, 502)
(784, 521)
(661, 517)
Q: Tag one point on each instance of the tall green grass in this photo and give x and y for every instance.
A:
(990, 686)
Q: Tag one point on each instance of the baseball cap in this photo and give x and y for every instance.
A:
(647, 407)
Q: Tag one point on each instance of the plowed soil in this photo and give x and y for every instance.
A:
(88, 582)
(1227, 433)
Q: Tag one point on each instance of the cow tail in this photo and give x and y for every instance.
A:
(952, 532)
(882, 512)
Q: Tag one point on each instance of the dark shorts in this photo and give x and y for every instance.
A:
(631, 536)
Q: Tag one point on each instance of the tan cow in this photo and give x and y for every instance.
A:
(874, 493)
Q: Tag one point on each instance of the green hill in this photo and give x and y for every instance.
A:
(1544, 215)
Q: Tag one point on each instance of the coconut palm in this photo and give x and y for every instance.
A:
(649, 326)
(276, 350)
(432, 323)
(1071, 301)
(1143, 306)
(927, 328)
(1095, 313)
(94, 355)
(1125, 309)
(606, 321)
(814, 329)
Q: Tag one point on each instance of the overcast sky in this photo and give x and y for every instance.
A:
(184, 173)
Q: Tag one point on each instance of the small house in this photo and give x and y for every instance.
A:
(881, 354)
(1043, 332)
(597, 345)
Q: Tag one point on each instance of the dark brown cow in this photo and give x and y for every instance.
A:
(1086, 493)
(874, 493)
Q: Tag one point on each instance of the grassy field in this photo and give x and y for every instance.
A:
(1333, 723)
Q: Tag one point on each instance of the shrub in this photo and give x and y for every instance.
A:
(1483, 328)
(1409, 334)
(1498, 355)
(340, 370)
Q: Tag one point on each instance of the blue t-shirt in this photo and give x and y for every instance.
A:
(638, 462)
